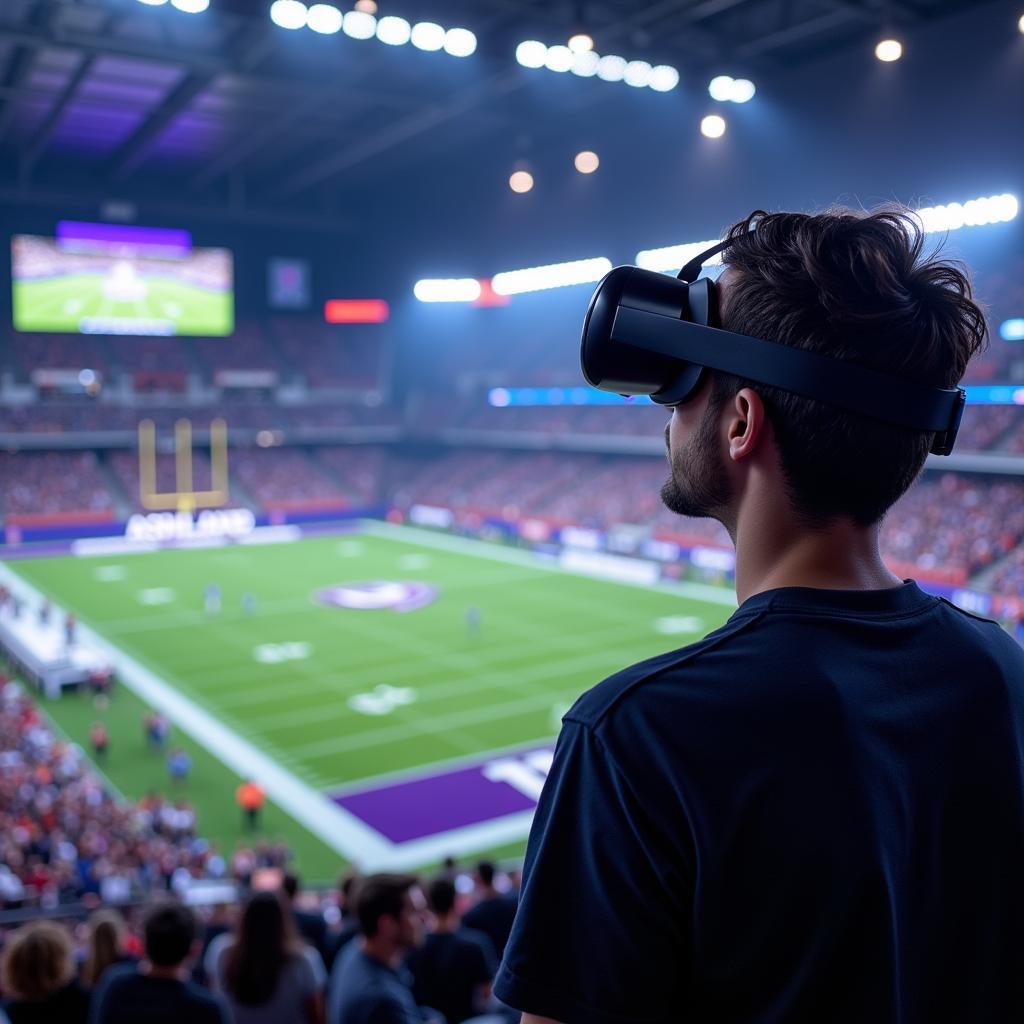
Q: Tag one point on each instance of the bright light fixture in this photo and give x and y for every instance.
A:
(450, 289)
(531, 53)
(889, 50)
(720, 88)
(637, 74)
(393, 31)
(559, 58)
(325, 19)
(713, 126)
(153, 3)
(1012, 329)
(742, 90)
(520, 181)
(359, 25)
(459, 42)
(611, 68)
(672, 257)
(191, 6)
(366, 6)
(587, 162)
(581, 43)
(1020, 24)
(664, 78)
(973, 213)
(290, 14)
(427, 36)
(585, 63)
(555, 275)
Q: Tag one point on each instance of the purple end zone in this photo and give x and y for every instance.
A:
(447, 800)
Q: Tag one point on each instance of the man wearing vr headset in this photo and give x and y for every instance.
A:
(816, 813)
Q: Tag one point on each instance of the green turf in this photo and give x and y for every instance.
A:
(545, 638)
(60, 304)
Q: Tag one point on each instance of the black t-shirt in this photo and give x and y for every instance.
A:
(126, 997)
(68, 1005)
(814, 814)
(448, 969)
(494, 918)
(366, 991)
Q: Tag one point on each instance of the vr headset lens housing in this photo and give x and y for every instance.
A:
(650, 334)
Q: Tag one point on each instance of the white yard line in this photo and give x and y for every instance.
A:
(341, 831)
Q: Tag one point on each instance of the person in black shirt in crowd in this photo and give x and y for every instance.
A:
(453, 969)
(348, 924)
(37, 975)
(816, 813)
(311, 925)
(369, 984)
(157, 992)
(493, 912)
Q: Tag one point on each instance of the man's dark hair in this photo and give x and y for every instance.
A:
(854, 286)
(485, 872)
(290, 885)
(380, 896)
(441, 896)
(168, 931)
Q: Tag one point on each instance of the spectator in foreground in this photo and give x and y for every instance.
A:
(348, 924)
(310, 924)
(453, 969)
(157, 992)
(105, 946)
(265, 971)
(368, 985)
(494, 912)
(38, 975)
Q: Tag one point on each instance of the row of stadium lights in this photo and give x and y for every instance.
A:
(362, 23)
(950, 217)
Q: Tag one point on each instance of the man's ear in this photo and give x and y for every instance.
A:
(747, 425)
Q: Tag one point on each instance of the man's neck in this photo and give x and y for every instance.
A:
(151, 970)
(773, 551)
(446, 923)
(381, 950)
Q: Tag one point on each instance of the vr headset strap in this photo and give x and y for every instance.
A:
(833, 381)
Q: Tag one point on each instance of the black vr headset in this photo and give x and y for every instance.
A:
(651, 334)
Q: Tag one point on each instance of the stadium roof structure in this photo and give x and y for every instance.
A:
(225, 114)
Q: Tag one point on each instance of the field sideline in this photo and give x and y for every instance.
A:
(402, 687)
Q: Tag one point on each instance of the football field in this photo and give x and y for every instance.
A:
(62, 304)
(408, 684)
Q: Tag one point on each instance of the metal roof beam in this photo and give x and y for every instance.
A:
(45, 131)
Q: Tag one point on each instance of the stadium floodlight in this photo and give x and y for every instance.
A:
(713, 126)
(1020, 24)
(587, 162)
(531, 53)
(325, 19)
(447, 289)
(672, 257)
(742, 90)
(459, 42)
(611, 68)
(664, 78)
(720, 88)
(289, 14)
(584, 63)
(359, 25)
(559, 58)
(520, 181)
(393, 31)
(499, 397)
(555, 275)
(637, 74)
(581, 43)
(153, 3)
(427, 36)
(974, 213)
(191, 6)
(889, 50)
(1012, 329)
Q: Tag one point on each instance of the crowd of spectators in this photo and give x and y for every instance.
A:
(277, 477)
(331, 356)
(386, 948)
(64, 837)
(51, 483)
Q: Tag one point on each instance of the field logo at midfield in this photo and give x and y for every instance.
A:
(378, 595)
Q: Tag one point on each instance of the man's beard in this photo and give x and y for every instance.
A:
(699, 483)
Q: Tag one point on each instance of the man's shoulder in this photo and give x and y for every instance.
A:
(697, 660)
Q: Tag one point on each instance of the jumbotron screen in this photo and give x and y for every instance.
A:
(119, 279)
